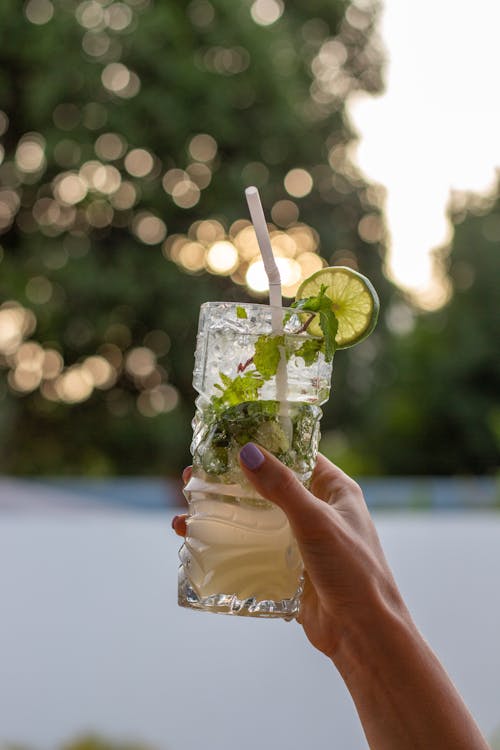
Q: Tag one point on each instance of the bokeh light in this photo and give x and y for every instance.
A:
(30, 153)
(202, 147)
(235, 252)
(186, 194)
(103, 374)
(90, 14)
(159, 400)
(201, 13)
(266, 12)
(149, 228)
(110, 146)
(139, 162)
(125, 197)
(118, 79)
(118, 16)
(38, 290)
(290, 273)
(222, 258)
(200, 174)
(298, 183)
(284, 213)
(192, 256)
(74, 385)
(38, 12)
(140, 361)
(9, 205)
(70, 188)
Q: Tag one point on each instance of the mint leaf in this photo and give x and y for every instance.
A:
(241, 388)
(309, 351)
(312, 304)
(267, 354)
(329, 325)
(241, 312)
(322, 305)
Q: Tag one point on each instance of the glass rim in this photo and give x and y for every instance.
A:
(246, 305)
(232, 305)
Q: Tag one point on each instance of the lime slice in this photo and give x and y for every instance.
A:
(354, 302)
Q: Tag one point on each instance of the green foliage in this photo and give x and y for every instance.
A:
(87, 282)
(93, 742)
(436, 410)
(94, 285)
(96, 742)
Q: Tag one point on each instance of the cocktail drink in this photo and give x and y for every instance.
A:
(262, 373)
(255, 385)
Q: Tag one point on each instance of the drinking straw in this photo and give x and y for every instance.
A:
(260, 226)
(275, 299)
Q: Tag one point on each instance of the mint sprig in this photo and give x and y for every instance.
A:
(321, 304)
(309, 351)
(236, 390)
(268, 347)
(267, 354)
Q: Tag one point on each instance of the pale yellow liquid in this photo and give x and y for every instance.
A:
(240, 547)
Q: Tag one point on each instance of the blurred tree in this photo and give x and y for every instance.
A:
(129, 131)
(92, 742)
(96, 742)
(437, 408)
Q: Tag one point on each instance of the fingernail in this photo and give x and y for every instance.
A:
(251, 456)
(174, 520)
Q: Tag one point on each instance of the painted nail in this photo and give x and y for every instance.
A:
(251, 456)
(174, 521)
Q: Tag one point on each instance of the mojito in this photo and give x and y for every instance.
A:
(255, 385)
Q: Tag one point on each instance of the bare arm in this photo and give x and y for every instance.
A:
(353, 612)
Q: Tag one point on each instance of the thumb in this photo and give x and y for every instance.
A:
(276, 482)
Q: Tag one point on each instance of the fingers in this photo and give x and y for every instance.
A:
(179, 524)
(277, 483)
(330, 483)
(274, 481)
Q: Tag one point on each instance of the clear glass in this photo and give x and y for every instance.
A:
(258, 383)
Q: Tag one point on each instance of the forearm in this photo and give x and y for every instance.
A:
(403, 696)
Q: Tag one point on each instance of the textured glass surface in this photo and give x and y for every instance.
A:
(225, 341)
(239, 555)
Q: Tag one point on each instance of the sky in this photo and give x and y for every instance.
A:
(435, 129)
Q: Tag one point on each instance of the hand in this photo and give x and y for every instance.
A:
(345, 568)
(352, 610)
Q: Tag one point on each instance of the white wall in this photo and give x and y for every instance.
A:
(91, 638)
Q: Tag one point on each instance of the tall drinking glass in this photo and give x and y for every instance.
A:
(261, 385)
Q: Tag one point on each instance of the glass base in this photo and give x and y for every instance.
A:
(239, 555)
(230, 604)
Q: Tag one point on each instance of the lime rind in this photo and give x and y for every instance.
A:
(354, 302)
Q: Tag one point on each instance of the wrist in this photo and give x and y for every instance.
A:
(395, 679)
(368, 641)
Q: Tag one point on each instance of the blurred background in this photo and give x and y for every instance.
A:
(128, 132)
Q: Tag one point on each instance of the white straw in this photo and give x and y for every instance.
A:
(275, 299)
(260, 226)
